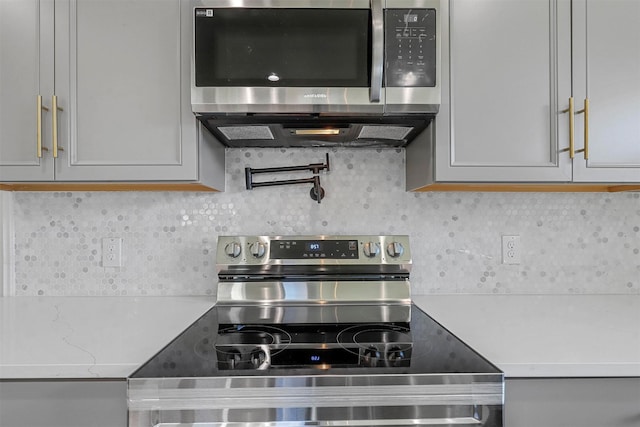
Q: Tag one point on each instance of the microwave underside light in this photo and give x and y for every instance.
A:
(315, 131)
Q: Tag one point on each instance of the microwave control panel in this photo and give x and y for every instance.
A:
(410, 47)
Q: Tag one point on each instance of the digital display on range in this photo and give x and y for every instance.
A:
(313, 246)
(308, 356)
(307, 249)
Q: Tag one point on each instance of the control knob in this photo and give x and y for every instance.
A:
(371, 356)
(233, 359)
(395, 356)
(395, 249)
(257, 249)
(259, 359)
(371, 249)
(233, 249)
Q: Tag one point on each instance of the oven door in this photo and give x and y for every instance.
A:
(283, 56)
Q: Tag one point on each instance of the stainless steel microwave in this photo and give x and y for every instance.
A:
(340, 56)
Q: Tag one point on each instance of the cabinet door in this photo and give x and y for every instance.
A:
(509, 78)
(72, 403)
(607, 72)
(562, 402)
(122, 78)
(26, 71)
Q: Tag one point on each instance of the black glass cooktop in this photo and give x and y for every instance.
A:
(314, 340)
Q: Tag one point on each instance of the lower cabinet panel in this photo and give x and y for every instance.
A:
(555, 402)
(572, 402)
(63, 403)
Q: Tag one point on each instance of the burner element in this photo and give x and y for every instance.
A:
(253, 335)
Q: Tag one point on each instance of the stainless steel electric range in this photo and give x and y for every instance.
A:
(315, 331)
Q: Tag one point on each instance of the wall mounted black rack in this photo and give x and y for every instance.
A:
(317, 193)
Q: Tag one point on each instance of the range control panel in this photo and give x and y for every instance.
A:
(277, 252)
(410, 47)
(301, 249)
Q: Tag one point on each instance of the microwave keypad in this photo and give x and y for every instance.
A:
(410, 46)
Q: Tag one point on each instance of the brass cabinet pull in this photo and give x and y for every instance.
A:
(54, 125)
(572, 148)
(585, 110)
(40, 107)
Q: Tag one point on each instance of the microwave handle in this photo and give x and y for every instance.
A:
(377, 50)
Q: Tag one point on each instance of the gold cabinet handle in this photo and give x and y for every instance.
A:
(54, 125)
(572, 148)
(40, 107)
(585, 110)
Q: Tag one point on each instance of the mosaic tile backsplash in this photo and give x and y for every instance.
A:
(571, 243)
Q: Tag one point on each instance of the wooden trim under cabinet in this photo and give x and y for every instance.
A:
(441, 186)
(538, 188)
(107, 186)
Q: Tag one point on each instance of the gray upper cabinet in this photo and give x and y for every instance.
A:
(606, 36)
(26, 73)
(122, 79)
(510, 76)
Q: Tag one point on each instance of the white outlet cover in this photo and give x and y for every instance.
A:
(112, 252)
(511, 250)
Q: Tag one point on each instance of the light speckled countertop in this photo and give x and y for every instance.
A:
(525, 336)
(85, 337)
(546, 335)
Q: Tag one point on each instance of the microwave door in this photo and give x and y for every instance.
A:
(281, 59)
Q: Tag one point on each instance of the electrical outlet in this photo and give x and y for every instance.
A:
(112, 252)
(511, 250)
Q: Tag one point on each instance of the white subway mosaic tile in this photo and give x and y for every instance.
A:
(571, 243)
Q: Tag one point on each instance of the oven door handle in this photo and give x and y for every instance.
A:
(377, 50)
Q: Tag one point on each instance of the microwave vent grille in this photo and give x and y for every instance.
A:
(397, 133)
(233, 133)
